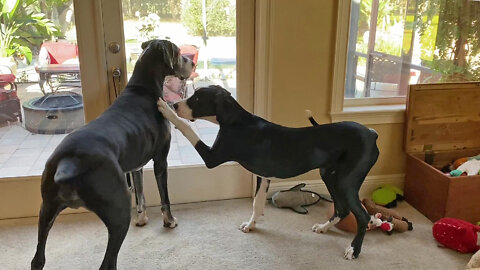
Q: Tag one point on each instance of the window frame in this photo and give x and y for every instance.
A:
(363, 110)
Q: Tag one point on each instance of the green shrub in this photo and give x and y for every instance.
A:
(167, 9)
(220, 17)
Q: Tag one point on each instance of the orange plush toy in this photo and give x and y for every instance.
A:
(348, 224)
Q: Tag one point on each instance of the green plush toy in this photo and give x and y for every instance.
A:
(387, 196)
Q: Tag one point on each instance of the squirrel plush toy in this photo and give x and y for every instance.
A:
(390, 219)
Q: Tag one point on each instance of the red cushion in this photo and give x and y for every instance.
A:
(456, 234)
(190, 51)
(60, 51)
(7, 78)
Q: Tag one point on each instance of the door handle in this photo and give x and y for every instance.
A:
(116, 76)
(116, 72)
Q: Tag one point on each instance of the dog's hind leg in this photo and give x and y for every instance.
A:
(350, 185)
(258, 204)
(340, 208)
(362, 218)
(48, 213)
(105, 192)
(117, 221)
(137, 178)
(160, 168)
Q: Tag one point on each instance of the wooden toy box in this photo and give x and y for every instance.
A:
(442, 124)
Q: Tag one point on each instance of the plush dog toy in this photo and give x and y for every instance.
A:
(387, 219)
(394, 220)
(377, 222)
(457, 234)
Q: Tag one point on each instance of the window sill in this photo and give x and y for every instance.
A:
(370, 115)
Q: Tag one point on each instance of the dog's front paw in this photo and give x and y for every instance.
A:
(166, 110)
(320, 228)
(348, 255)
(170, 223)
(37, 263)
(247, 226)
(141, 219)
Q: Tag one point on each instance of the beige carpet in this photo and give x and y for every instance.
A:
(207, 238)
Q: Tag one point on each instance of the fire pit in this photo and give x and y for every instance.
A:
(54, 113)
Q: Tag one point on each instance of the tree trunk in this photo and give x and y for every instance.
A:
(43, 7)
(127, 8)
(460, 54)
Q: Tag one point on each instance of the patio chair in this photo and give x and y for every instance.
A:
(9, 102)
(385, 75)
(191, 51)
(58, 65)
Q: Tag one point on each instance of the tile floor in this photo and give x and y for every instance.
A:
(23, 153)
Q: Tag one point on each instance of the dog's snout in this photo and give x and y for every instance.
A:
(175, 106)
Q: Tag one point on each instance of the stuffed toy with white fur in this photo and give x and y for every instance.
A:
(474, 262)
(471, 167)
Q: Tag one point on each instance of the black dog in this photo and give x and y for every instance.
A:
(344, 152)
(87, 168)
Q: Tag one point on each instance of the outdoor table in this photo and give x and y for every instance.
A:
(63, 73)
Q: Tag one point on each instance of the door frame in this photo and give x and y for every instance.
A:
(20, 196)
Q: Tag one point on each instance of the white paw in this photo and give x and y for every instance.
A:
(170, 223)
(247, 226)
(141, 219)
(348, 255)
(320, 228)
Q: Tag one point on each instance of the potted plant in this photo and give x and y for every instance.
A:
(18, 19)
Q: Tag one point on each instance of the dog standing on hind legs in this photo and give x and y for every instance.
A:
(343, 152)
(88, 167)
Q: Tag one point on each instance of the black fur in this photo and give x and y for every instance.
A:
(344, 152)
(87, 168)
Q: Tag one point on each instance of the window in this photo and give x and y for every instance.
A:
(394, 43)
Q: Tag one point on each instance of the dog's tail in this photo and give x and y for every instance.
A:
(310, 118)
(68, 168)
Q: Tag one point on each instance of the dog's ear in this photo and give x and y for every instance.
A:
(220, 88)
(170, 53)
(145, 44)
(226, 111)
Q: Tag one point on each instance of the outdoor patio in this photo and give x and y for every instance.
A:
(23, 153)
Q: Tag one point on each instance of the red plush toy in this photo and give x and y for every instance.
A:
(457, 234)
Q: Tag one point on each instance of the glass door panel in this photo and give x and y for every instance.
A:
(205, 31)
(41, 97)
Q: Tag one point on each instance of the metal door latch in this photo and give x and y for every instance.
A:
(116, 72)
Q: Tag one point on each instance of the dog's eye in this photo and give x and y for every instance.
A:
(197, 99)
